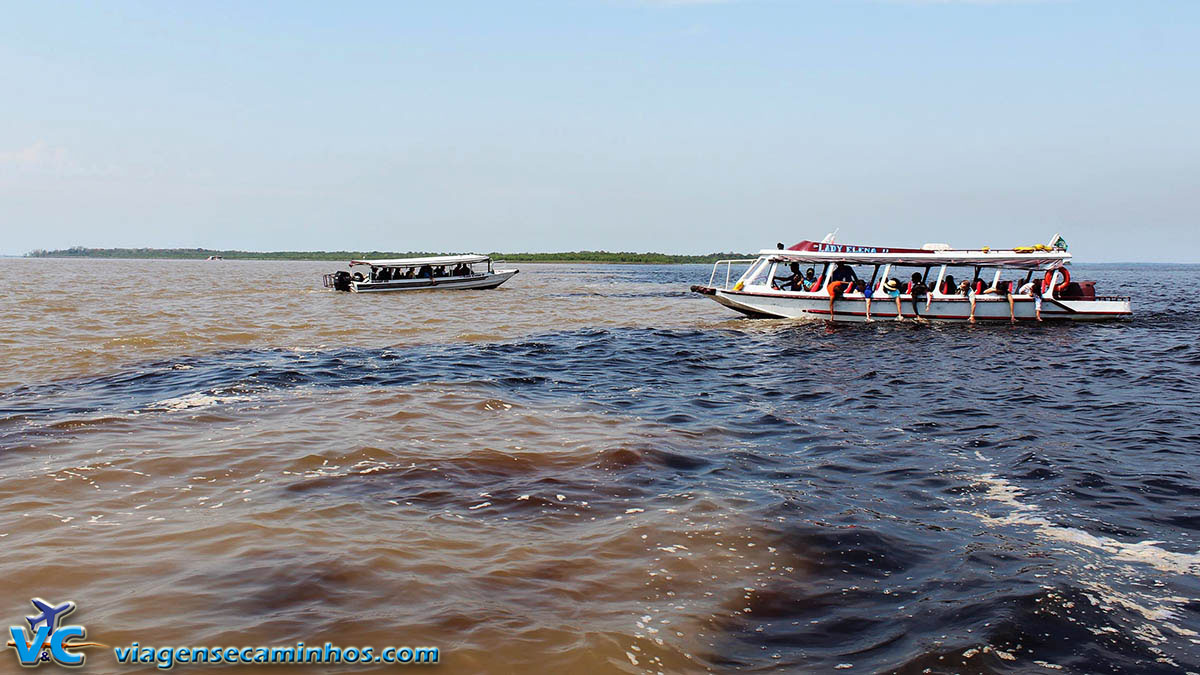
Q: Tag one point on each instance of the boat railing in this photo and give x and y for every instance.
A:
(728, 269)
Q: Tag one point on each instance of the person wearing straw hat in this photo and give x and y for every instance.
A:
(892, 288)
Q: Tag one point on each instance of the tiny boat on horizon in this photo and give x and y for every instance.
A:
(1044, 289)
(414, 274)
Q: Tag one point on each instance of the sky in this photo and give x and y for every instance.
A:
(623, 125)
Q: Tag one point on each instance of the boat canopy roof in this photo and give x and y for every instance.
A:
(1024, 257)
(432, 260)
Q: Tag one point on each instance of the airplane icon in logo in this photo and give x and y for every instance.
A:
(50, 615)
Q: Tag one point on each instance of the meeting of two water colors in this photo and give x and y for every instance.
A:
(594, 470)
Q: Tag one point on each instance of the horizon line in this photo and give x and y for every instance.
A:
(29, 254)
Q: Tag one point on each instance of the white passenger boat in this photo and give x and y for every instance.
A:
(412, 274)
(1019, 284)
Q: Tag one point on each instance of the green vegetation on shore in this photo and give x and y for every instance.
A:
(202, 253)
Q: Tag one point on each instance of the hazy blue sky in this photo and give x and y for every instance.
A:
(679, 126)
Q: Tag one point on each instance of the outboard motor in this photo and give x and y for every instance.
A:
(341, 281)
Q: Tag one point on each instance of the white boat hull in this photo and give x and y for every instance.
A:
(480, 281)
(942, 308)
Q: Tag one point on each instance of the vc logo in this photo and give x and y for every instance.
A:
(46, 639)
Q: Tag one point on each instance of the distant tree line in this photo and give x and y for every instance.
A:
(202, 253)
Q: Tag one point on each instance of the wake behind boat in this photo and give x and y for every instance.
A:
(905, 283)
(413, 274)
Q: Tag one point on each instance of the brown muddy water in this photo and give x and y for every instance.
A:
(590, 469)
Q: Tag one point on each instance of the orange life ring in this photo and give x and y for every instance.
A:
(1050, 278)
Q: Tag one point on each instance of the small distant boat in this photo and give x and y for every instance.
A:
(415, 274)
(1041, 289)
(214, 257)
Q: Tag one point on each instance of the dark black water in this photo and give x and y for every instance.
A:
(949, 498)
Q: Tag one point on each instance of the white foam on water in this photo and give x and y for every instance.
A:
(1145, 552)
(196, 400)
(1123, 562)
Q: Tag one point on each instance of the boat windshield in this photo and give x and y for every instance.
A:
(759, 274)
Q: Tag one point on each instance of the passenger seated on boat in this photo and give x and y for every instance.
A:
(1007, 291)
(892, 288)
(836, 290)
(948, 286)
(964, 288)
(426, 272)
(811, 280)
(384, 274)
(1001, 288)
(842, 272)
(409, 272)
(1034, 289)
(917, 290)
(867, 292)
(791, 282)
